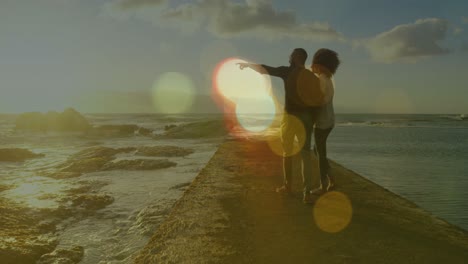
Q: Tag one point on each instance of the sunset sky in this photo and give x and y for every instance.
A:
(105, 56)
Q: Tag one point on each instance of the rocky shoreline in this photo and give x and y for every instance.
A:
(71, 121)
(29, 235)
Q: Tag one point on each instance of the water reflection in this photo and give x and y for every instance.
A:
(36, 192)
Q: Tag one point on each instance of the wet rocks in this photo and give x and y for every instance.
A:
(4, 187)
(68, 121)
(145, 132)
(25, 250)
(164, 151)
(139, 164)
(92, 201)
(180, 186)
(149, 218)
(86, 187)
(100, 159)
(124, 130)
(116, 130)
(88, 160)
(62, 174)
(84, 165)
(22, 238)
(71, 120)
(17, 154)
(71, 255)
(203, 129)
(96, 152)
(169, 127)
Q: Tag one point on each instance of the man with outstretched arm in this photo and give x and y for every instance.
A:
(296, 114)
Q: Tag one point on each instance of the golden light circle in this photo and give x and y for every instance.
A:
(256, 114)
(291, 137)
(333, 212)
(173, 92)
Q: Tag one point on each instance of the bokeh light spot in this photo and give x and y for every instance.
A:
(256, 114)
(333, 212)
(291, 138)
(173, 92)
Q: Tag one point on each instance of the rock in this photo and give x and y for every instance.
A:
(28, 252)
(63, 175)
(71, 120)
(88, 160)
(33, 121)
(139, 164)
(52, 121)
(163, 151)
(84, 165)
(169, 127)
(71, 255)
(96, 152)
(86, 187)
(68, 121)
(180, 186)
(119, 131)
(204, 129)
(92, 144)
(92, 201)
(150, 217)
(23, 238)
(99, 159)
(17, 154)
(4, 187)
(47, 226)
(145, 131)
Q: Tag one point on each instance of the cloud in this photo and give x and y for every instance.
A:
(457, 31)
(464, 47)
(227, 18)
(129, 4)
(408, 42)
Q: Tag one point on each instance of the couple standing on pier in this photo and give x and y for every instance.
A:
(318, 119)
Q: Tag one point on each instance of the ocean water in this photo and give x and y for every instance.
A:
(423, 158)
(420, 157)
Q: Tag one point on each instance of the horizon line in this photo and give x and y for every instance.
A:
(221, 113)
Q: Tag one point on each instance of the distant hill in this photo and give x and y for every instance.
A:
(106, 101)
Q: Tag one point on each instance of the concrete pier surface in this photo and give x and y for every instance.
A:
(232, 214)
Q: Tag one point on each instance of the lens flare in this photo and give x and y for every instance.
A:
(248, 91)
(256, 114)
(291, 138)
(333, 212)
(234, 84)
(173, 92)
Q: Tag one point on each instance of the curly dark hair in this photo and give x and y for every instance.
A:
(327, 58)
